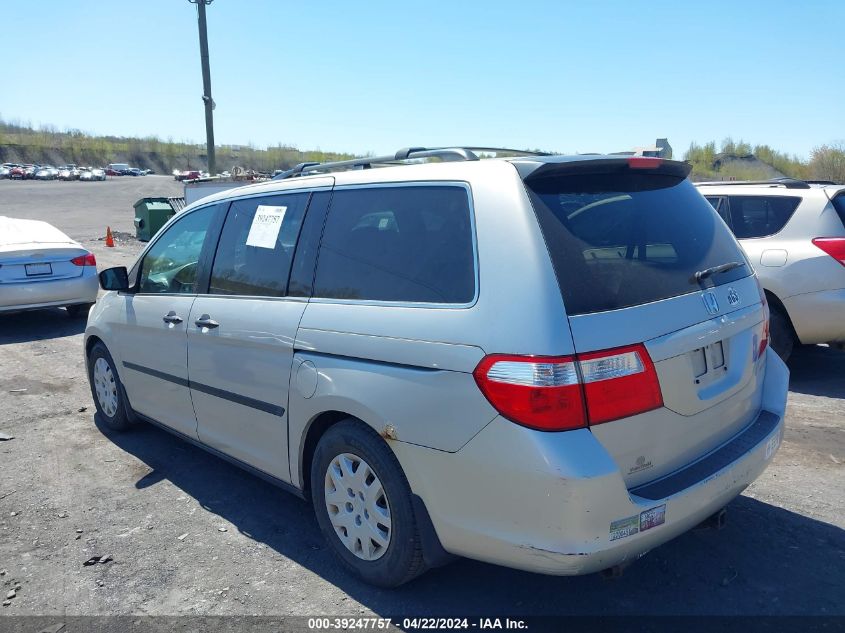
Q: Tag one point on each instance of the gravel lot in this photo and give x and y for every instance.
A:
(190, 534)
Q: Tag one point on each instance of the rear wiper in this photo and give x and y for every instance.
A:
(701, 275)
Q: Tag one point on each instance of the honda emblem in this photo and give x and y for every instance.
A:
(710, 302)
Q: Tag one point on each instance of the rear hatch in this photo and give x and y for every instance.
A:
(645, 264)
(33, 251)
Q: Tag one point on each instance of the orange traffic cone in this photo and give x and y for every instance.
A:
(109, 238)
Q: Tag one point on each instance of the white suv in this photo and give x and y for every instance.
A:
(794, 234)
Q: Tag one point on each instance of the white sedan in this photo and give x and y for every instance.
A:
(42, 267)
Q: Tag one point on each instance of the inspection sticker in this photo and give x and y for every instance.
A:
(624, 527)
(265, 226)
(652, 518)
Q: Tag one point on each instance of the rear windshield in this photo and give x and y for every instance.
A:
(620, 240)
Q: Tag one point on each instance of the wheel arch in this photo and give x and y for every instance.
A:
(90, 342)
(434, 554)
(775, 302)
(315, 429)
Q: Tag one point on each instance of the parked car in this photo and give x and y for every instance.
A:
(86, 174)
(46, 173)
(118, 169)
(5, 170)
(191, 174)
(794, 234)
(18, 172)
(134, 171)
(29, 171)
(98, 174)
(42, 267)
(550, 363)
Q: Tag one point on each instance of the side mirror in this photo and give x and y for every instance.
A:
(114, 278)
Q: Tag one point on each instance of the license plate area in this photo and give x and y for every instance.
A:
(38, 270)
(708, 363)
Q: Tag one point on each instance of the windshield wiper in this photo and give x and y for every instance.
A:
(701, 275)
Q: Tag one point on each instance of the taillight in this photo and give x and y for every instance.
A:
(84, 260)
(619, 383)
(542, 392)
(833, 246)
(564, 393)
(764, 338)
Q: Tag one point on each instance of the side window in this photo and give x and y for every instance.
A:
(411, 243)
(761, 216)
(305, 259)
(256, 246)
(170, 266)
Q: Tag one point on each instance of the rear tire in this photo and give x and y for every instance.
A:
(106, 389)
(380, 498)
(781, 333)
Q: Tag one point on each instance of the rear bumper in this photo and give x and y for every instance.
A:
(44, 294)
(556, 503)
(817, 316)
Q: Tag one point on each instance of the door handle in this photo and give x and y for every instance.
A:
(206, 321)
(171, 317)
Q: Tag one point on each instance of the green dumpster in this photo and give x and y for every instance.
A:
(150, 215)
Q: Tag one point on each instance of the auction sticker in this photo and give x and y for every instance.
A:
(652, 518)
(624, 527)
(265, 226)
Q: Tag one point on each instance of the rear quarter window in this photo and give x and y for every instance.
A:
(620, 240)
(406, 244)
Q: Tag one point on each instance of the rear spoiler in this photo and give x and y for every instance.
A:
(535, 170)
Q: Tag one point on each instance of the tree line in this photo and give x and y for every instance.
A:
(739, 160)
(19, 142)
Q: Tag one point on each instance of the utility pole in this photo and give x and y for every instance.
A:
(206, 83)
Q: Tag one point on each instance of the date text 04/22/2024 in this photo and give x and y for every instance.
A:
(421, 624)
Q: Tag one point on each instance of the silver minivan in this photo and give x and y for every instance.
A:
(546, 362)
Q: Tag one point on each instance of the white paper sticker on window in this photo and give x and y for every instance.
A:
(265, 226)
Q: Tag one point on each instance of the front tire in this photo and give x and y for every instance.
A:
(362, 500)
(106, 389)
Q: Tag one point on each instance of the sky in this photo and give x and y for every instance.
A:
(377, 75)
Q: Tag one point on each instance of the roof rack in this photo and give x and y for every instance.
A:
(404, 154)
(789, 183)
